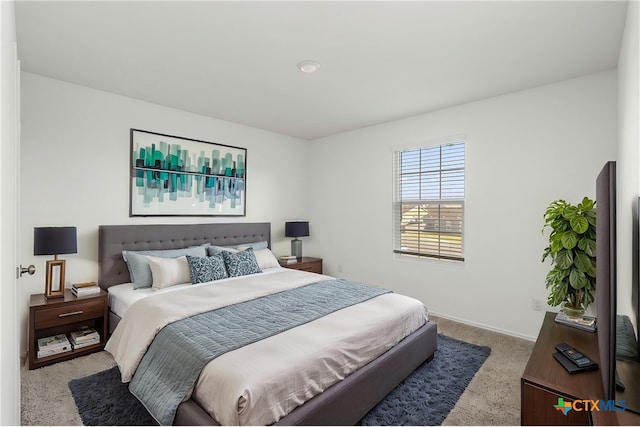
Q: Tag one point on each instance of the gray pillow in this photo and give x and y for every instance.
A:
(241, 263)
(206, 269)
(138, 266)
(213, 249)
(255, 246)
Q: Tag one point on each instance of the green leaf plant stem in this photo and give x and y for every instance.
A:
(572, 249)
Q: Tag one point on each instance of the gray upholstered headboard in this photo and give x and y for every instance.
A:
(113, 239)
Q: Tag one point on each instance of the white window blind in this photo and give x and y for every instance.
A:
(429, 202)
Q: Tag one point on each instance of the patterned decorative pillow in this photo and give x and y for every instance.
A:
(241, 263)
(206, 269)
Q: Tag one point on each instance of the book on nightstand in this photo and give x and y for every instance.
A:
(288, 259)
(49, 346)
(84, 289)
(84, 337)
(77, 345)
(84, 334)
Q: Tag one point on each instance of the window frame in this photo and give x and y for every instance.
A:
(399, 203)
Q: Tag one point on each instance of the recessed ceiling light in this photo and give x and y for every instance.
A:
(308, 66)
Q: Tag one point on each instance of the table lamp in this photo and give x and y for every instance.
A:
(55, 241)
(296, 229)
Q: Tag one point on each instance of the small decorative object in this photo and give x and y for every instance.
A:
(586, 323)
(171, 175)
(55, 241)
(296, 229)
(572, 249)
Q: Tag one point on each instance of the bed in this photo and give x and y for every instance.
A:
(342, 403)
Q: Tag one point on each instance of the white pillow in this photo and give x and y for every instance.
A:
(167, 272)
(266, 259)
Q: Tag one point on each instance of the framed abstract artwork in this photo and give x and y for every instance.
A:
(175, 176)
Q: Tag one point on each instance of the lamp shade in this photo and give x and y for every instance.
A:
(54, 240)
(296, 228)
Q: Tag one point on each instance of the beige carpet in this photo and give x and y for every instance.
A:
(492, 397)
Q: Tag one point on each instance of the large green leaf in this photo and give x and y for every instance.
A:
(556, 277)
(551, 278)
(591, 269)
(559, 224)
(558, 294)
(554, 210)
(570, 212)
(588, 246)
(577, 279)
(583, 263)
(556, 246)
(586, 205)
(579, 224)
(564, 259)
(569, 239)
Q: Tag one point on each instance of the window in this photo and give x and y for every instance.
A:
(429, 202)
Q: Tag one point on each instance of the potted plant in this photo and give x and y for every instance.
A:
(572, 249)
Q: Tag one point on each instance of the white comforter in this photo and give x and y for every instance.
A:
(261, 382)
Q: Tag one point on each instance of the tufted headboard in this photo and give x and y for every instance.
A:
(113, 239)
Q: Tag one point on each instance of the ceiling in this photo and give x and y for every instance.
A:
(380, 61)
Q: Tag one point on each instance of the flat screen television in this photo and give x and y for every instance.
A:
(606, 278)
(612, 367)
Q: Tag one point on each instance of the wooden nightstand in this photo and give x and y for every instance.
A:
(54, 316)
(310, 264)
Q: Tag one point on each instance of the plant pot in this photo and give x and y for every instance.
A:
(573, 311)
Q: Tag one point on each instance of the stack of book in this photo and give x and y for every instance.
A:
(84, 337)
(49, 346)
(288, 259)
(586, 323)
(84, 289)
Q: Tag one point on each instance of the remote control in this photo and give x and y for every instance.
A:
(579, 359)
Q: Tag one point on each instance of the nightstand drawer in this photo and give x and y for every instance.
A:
(70, 313)
(310, 264)
(313, 267)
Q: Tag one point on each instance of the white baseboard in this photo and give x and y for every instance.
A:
(482, 326)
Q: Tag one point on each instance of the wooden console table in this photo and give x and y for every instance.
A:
(544, 380)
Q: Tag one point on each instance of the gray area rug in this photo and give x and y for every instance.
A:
(424, 398)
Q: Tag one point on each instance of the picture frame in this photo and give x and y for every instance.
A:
(55, 280)
(176, 176)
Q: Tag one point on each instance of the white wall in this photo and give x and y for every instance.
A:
(523, 150)
(9, 125)
(75, 168)
(628, 165)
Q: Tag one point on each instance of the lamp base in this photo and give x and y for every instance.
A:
(296, 248)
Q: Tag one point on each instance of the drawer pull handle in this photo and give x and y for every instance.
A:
(73, 313)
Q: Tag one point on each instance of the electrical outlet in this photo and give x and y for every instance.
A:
(536, 304)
